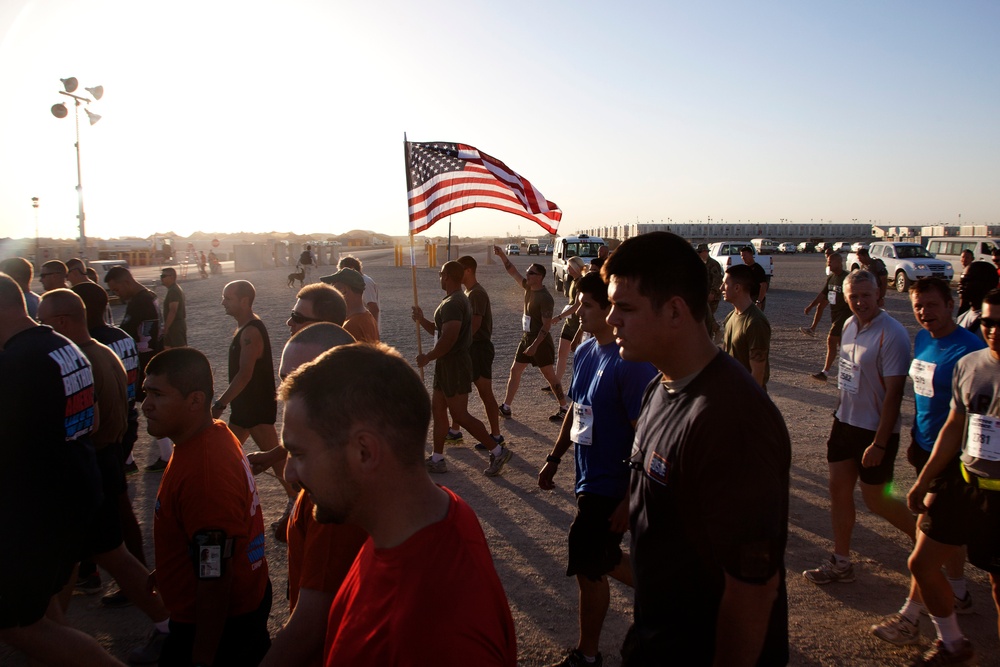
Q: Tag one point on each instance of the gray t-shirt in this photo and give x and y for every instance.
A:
(975, 392)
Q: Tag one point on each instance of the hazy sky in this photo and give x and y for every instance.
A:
(289, 115)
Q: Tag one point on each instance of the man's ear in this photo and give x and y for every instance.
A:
(366, 448)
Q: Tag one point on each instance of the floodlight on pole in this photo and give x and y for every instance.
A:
(60, 111)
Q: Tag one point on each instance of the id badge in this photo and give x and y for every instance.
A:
(526, 323)
(922, 373)
(982, 438)
(848, 377)
(582, 431)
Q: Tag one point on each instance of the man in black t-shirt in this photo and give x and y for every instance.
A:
(832, 293)
(759, 276)
(708, 507)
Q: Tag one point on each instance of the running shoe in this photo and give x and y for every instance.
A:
(454, 438)
(807, 331)
(159, 466)
(939, 654)
(130, 468)
(436, 467)
(819, 377)
(828, 573)
(115, 599)
(498, 462)
(575, 659)
(498, 439)
(505, 411)
(963, 606)
(547, 388)
(559, 416)
(897, 629)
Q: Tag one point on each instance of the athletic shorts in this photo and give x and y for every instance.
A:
(964, 514)
(245, 639)
(482, 359)
(918, 458)
(248, 416)
(453, 375)
(837, 328)
(545, 355)
(593, 549)
(848, 443)
(104, 532)
(569, 328)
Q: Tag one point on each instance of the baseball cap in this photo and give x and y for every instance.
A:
(348, 277)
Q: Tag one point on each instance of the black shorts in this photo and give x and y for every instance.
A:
(569, 328)
(837, 328)
(848, 443)
(963, 514)
(453, 375)
(247, 416)
(482, 359)
(104, 532)
(245, 639)
(593, 549)
(918, 458)
(545, 355)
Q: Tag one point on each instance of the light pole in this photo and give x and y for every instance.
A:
(34, 205)
(60, 111)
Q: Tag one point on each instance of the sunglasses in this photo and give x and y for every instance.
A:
(299, 318)
(46, 275)
(988, 323)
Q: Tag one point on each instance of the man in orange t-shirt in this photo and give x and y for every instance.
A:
(207, 529)
(360, 323)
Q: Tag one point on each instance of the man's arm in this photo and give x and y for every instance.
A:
(477, 321)
(300, 641)
(887, 420)
(561, 446)
(211, 611)
(546, 325)
(758, 364)
(417, 315)
(449, 335)
(946, 448)
(373, 309)
(171, 315)
(507, 264)
(744, 614)
(763, 289)
(251, 349)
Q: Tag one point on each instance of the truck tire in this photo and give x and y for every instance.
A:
(902, 282)
(559, 284)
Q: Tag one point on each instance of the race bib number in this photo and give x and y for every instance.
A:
(831, 297)
(582, 432)
(848, 377)
(526, 323)
(922, 373)
(983, 437)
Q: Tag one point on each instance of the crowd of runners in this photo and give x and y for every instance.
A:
(385, 565)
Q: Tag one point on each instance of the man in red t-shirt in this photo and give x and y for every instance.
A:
(207, 528)
(319, 554)
(423, 589)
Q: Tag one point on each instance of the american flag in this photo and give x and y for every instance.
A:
(447, 178)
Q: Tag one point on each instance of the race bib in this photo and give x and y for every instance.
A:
(526, 323)
(582, 432)
(982, 438)
(848, 377)
(922, 373)
(831, 298)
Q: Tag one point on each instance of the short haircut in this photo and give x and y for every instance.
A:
(327, 303)
(539, 269)
(742, 275)
(593, 285)
(95, 299)
(982, 275)
(117, 273)
(862, 252)
(18, 268)
(54, 266)
(468, 261)
(349, 262)
(91, 273)
(65, 302)
(597, 263)
(992, 297)
(322, 334)
(76, 263)
(169, 270)
(967, 251)
(861, 276)
(665, 266)
(11, 294)
(453, 271)
(932, 285)
(186, 369)
(243, 289)
(367, 384)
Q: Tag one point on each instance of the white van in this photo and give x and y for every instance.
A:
(950, 248)
(583, 246)
(764, 246)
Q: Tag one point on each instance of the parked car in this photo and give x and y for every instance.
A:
(905, 263)
(513, 249)
(548, 250)
(806, 246)
(823, 245)
(859, 246)
(786, 248)
(950, 248)
(533, 249)
(583, 246)
(727, 253)
(842, 246)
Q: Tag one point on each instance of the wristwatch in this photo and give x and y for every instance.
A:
(552, 459)
(220, 406)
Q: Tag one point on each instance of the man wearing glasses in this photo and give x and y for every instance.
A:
(536, 347)
(53, 275)
(174, 311)
(317, 302)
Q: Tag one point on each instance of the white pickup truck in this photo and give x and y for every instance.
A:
(727, 253)
(905, 262)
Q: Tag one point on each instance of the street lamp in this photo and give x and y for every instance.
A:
(34, 205)
(60, 111)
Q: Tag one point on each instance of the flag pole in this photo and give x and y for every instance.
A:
(413, 256)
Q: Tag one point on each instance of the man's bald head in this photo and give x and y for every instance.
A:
(309, 343)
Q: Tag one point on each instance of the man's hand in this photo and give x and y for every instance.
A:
(422, 360)
(151, 582)
(546, 475)
(916, 499)
(261, 461)
(805, 311)
(416, 314)
(217, 413)
(498, 251)
(618, 523)
(873, 456)
(530, 350)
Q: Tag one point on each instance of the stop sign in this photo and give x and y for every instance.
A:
(215, 243)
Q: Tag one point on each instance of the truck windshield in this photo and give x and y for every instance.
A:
(911, 251)
(583, 249)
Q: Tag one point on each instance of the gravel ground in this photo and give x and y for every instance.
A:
(526, 527)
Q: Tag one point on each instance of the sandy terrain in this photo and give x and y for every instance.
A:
(526, 527)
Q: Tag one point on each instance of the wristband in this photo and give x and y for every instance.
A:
(878, 446)
(220, 406)
(552, 459)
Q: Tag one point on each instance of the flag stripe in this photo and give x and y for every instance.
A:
(451, 191)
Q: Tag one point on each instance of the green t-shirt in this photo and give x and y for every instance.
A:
(745, 333)
(479, 301)
(455, 307)
(538, 305)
